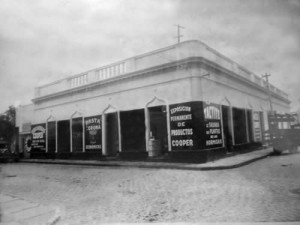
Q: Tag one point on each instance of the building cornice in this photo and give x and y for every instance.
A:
(156, 69)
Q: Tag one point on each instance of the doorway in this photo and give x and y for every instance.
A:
(63, 136)
(133, 130)
(227, 128)
(158, 126)
(51, 129)
(112, 134)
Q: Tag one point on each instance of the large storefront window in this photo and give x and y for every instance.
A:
(133, 130)
(77, 135)
(63, 136)
(51, 133)
(239, 125)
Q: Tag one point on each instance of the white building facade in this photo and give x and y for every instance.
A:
(182, 100)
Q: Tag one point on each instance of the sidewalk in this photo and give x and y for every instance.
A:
(16, 211)
(225, 163)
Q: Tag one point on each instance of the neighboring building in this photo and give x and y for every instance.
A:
(187, 100)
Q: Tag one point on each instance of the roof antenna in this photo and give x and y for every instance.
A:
(178, 32)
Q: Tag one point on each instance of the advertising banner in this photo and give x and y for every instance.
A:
(93, 133)
(38, 133)
(257, 127)
(213, 125)
(195, 126)
(185, 124)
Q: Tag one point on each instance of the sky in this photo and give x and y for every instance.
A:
(42, 41)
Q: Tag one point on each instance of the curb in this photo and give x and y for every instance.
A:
(34, 211)
(54, 219)
(153, 166)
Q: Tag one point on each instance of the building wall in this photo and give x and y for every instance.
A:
(189, 73)
(129, 94)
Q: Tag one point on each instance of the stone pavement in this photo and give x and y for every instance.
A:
(225, 163)
(16, 211)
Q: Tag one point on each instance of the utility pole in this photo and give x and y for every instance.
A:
(269, 90)
(178, 32)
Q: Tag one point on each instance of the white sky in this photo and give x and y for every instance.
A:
(45, 40)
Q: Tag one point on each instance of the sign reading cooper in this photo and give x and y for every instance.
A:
(38, 133)
(181, 124)
(93, 133)
(213, 128)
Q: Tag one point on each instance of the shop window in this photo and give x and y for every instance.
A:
(239, 126)
(63, 136)
(133, 130)
(51, 132)
(77, 135)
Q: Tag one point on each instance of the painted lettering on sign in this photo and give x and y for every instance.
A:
(182, 108)
(212, 113)
(38, 134)
(93, 133)
(213, 128)
(181, 123)
(257, 127)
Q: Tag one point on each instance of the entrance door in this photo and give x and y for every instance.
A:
(227, 127)
(51, 137)
(133, 130)
(158, 126)
(112, 134)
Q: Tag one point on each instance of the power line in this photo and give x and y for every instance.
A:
(178, 32)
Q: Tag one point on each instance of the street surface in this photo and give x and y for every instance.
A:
(266, 190)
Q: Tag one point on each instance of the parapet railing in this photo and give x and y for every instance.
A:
(148, 60)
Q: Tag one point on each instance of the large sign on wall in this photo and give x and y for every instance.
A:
(257, 127)
(213, 125)
(195, 126)
(183, 124)
(38, 133)
(93, 133)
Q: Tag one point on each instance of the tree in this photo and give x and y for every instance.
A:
(7, 124)
(9, 115)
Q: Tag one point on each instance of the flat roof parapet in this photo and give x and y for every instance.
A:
(173, 53)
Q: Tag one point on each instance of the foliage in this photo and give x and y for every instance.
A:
(7, 124)
(9, 115)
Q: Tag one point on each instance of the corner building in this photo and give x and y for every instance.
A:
(185, 101)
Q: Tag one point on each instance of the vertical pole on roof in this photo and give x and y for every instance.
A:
(178, 32)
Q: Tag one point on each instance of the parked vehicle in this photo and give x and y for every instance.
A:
(283, 133)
